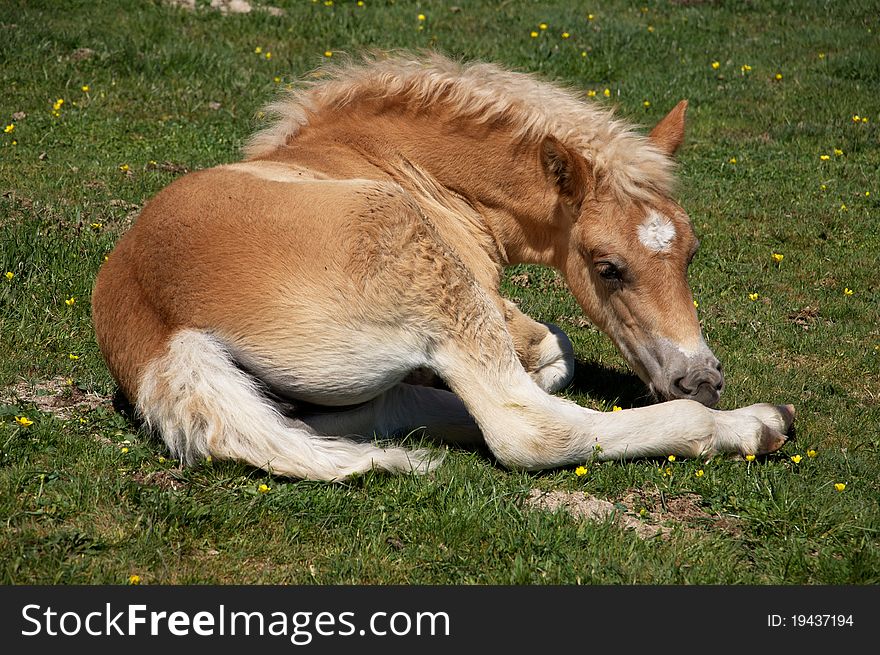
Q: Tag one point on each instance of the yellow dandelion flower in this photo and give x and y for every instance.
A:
(796, 459)
(650, 28)
(542, 26)
(867, 193)
(778, 76)
(124, 168)
(864, 119)
(671, 458)
(753, 296)
(9, 128)
(750, 458)
(856, 118)
(824, 157)
(580, 470)
(821, 55)
(421, 17)
(565, 35)
(811, 453)
(823, 187)
(258, 50)
(328, 53)
(696, 304)
(24, 421)
(716, 65)
(838, 152)
(847, 291)
(607, 93)
(745, 68)
(134, 579)
(328, 3)
(615, 408)
(96, 226)
(590, 17)
(668, 471)
(360, 3)
(85, 88)
(699, 473)
(264, 488)
(70, 301)
(533, 34)
(161, 460)
(777, 257)
(268, 55)
(732, 160)
(276, 79)
(843, 207)
(72, 356)
(840, 486)
(591, 93)
(643, 512)
(583, 53)
(9, 275)
(646, 104)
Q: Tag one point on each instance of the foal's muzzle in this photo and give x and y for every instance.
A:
(699, 378)
(672, 372)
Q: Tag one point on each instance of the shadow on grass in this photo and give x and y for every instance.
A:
(609, 385)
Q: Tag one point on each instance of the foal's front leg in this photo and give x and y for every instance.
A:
(529, 429)
(543, 349)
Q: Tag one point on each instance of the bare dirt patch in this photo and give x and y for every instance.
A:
(648, 512)
(584, 507)
(56, 396)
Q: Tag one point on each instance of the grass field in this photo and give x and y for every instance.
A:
(104, 103)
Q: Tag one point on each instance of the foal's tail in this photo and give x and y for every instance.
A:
(203, 405)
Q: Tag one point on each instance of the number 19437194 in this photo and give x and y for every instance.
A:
(810, 620)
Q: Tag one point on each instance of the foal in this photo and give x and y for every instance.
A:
(275, 311)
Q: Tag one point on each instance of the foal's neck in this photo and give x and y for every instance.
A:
(498, 179)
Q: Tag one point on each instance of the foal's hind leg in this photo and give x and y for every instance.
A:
(543, 349)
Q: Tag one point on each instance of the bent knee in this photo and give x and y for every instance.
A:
(553, 369)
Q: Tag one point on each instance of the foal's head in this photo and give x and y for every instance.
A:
(626, 262)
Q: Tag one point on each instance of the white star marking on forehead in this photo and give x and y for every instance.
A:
(657, 232)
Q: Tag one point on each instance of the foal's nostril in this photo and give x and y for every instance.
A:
(680, 386)
(703, 386)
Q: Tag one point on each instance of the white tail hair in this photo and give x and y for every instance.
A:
(203, 405)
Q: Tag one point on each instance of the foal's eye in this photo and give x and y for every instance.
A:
(609, 272)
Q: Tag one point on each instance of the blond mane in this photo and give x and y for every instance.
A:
(485, 93)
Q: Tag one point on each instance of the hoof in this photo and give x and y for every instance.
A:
(788, 413)
(770, 440)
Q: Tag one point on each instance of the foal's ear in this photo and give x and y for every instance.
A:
(568, 169)
(668, 134)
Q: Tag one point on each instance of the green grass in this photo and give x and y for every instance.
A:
(169, 85)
